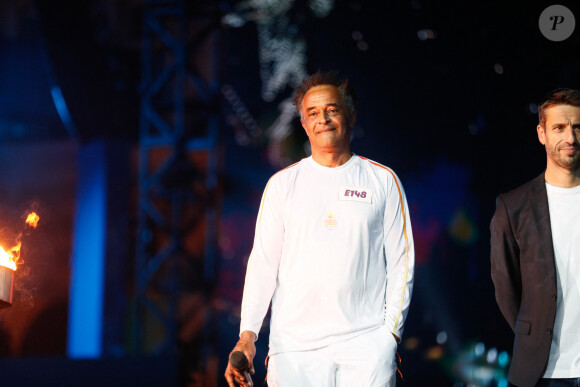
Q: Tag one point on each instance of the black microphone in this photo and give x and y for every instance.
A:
(240, 363)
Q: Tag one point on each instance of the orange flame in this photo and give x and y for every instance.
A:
(9, 258)
(32, 219)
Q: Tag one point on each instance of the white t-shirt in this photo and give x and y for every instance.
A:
(564, 204)
(333, 252)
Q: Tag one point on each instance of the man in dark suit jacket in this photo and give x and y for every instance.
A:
(535, 235)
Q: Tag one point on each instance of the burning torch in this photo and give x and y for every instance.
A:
(8, 259)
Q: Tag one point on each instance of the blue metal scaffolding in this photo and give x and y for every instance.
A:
(178, 194)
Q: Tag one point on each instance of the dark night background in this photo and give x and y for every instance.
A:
(453, 114)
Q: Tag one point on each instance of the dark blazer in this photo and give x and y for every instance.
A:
(523, 271)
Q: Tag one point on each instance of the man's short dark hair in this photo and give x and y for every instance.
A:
(558, 97)
(328, 78)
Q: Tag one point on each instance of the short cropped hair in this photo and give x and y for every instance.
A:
(320, 78)
(557, 97)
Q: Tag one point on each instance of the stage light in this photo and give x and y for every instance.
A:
(441, 337)
(411, 343)
(503, 359)
(502, 383)
(479, 349)
(491, 355)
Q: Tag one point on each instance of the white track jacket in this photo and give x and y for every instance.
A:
(333, 253)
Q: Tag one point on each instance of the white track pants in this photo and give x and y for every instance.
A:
(366, 360)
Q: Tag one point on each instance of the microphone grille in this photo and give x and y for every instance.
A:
(239, 360)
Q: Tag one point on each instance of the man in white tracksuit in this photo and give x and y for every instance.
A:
(333, 253)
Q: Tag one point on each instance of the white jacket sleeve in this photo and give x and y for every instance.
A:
(400, 256)
(262, 270)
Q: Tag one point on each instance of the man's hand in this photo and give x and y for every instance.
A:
(245, 345)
